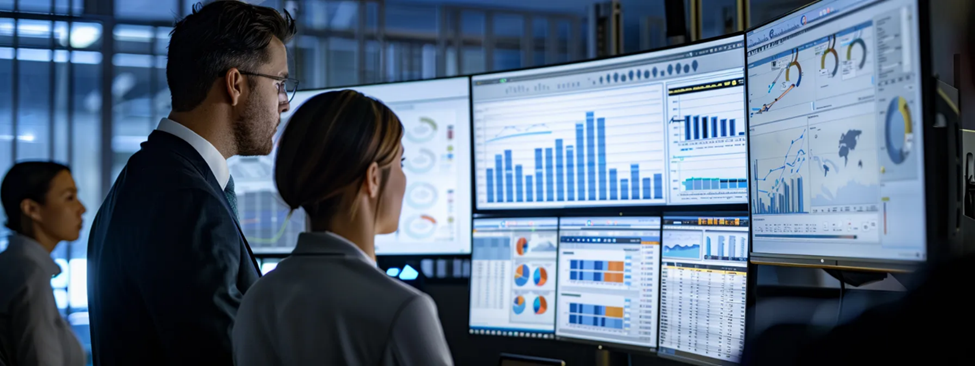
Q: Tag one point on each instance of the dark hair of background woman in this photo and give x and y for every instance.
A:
(26, 180)
(327, 148)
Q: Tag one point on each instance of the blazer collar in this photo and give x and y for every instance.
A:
(328, 243)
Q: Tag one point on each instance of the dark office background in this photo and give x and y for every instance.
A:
(83, 82)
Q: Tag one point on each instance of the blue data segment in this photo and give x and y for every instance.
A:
(707, 147)
(566, 152)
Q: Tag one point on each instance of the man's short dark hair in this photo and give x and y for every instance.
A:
(215, 38)
(26, 180)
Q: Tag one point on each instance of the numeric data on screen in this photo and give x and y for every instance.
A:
(703, 281)
(513, 269)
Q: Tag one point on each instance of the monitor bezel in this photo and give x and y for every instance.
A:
(470, 122)
(937, 204)
(748, 291)
(597, 210)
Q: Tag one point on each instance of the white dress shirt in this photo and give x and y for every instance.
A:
(328, 304)
(213, 157)
(32, 331)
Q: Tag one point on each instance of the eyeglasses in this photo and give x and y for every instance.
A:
(286, 86)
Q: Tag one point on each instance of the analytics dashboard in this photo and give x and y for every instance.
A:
(513, 269)
(608, 280)
(437, 205)
(665, 127)
(834, 103)
(703, 281)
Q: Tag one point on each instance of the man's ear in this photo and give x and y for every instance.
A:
(233, 81)
(372, 180)
(31, 209)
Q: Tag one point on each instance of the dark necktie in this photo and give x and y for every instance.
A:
(231, 196)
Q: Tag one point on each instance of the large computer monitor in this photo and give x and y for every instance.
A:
(437, 205)
(513, 269)
(659, 128)
(836, 136)
(608, 281)
(703, 282)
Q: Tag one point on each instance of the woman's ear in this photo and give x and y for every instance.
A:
(373, 178)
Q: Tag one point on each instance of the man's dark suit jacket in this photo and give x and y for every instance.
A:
(167, 262)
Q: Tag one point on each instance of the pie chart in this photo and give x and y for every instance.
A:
(522, 246)
(519, 306)
(899, 136)
(521, 275)
(540, 305)
(540, 276)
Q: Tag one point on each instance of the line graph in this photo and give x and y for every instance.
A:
(779, 190)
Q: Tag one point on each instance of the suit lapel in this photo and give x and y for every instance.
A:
(186, 150)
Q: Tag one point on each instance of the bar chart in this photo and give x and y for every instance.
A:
(707, 142)
(601, 271)
(576, 150)
(780, 177)
(726, 246)
(608, 317)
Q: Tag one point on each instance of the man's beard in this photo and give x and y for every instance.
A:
(254, 131)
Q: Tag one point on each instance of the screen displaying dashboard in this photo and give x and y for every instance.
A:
(437, 203)
(834, 101)
(660, 128)
(703, 281)
(607, 282)
(513, 267)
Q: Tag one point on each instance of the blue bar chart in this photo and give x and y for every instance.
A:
(577, 153)
(780, 179)
(707, 143)
(698, 128)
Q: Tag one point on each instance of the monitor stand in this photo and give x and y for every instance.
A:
(605, 357)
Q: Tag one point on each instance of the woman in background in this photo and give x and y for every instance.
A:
(340, 160)
(42, 207)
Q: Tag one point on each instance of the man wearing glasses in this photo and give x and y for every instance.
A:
(167, 261)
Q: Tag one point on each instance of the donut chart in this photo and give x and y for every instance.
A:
(521, 275)
(540, 277)
(420, 226)
(836, 58)
(422, 162)
(521, 246)
(540, 305)
(849, 52)
(899, 132)
(423, 131)
(798, 69)
(421, 195)
(519, 306)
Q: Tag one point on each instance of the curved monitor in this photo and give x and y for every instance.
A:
(437, 204)
(659, 128)
(836, 145)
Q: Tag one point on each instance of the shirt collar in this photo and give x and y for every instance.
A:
(328, 243)
(35, 252)
(210, 154)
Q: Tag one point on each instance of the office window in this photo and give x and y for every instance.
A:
(146, 9)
